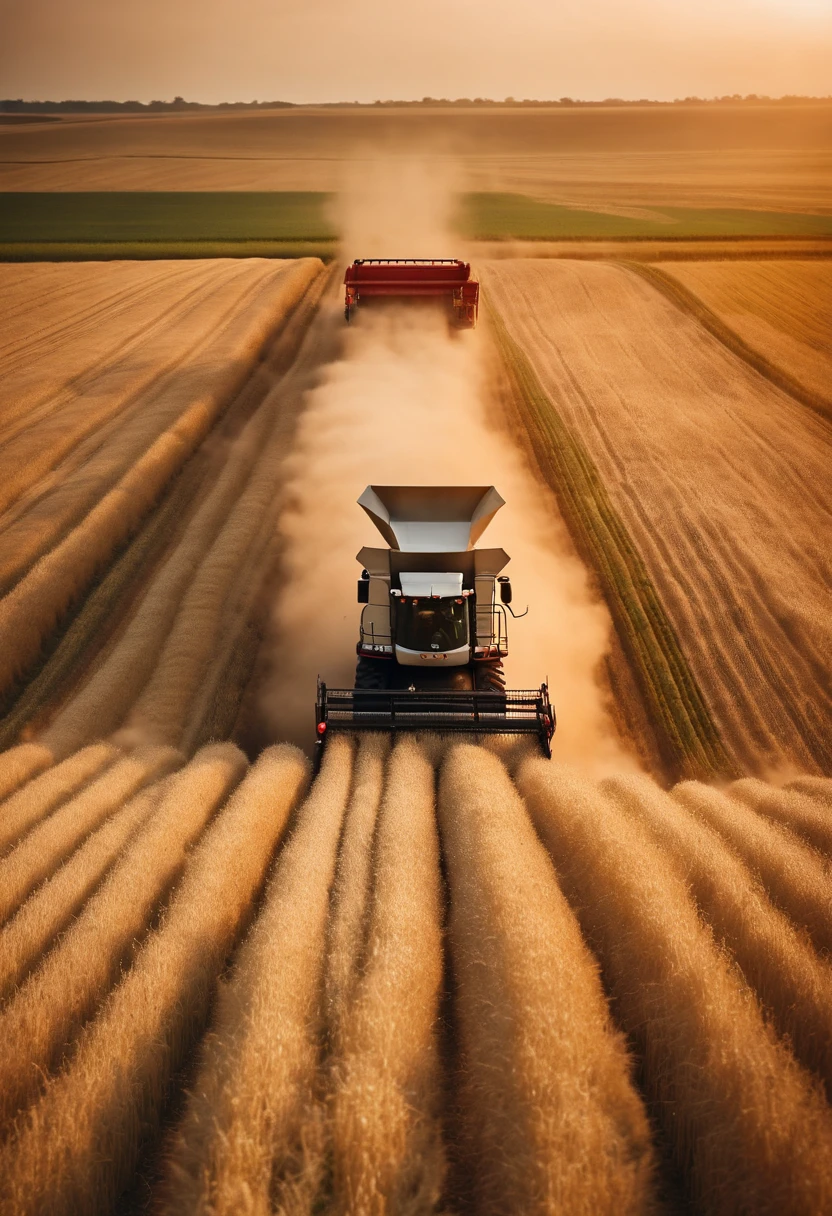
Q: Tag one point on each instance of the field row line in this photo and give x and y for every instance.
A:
(691, 304)
(688, 736)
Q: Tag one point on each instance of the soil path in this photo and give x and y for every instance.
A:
(722, 480)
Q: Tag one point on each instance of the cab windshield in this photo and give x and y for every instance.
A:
(429, 624)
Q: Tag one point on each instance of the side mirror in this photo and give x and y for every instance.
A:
(505, 589)
(364, 588)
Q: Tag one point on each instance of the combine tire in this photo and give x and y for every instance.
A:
(489, 676)
(372, 673)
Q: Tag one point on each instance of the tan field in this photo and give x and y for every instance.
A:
(780, 309)
(427, 976)
(723, 481)
(776, 158)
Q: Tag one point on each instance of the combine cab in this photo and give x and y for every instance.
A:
(433, 632)
(446, 279)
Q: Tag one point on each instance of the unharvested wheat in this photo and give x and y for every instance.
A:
(747, 1128)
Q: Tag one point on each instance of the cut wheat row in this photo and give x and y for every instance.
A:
(49, 909)
(748, 1128)
(386, 1094)
(47, 1011)
(792, 982)
(46, 792)
(30, 611)
(794, 875)
(796, 809)
(252, 1134)
(40, 852)
(77, 1147)
(551, 1121)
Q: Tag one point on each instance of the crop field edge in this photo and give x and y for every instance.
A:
(694, 306)
(96, 615)
(124, 251)
(688, 736)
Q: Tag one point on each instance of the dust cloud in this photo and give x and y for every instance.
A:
(407, 404)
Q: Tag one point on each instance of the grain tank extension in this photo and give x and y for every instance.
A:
(444, 279)
(433, 632)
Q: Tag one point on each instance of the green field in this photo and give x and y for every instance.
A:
(505, 216)
(78, 226)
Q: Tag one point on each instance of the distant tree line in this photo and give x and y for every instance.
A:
(18, 106)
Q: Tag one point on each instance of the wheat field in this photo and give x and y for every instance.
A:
(425, 976)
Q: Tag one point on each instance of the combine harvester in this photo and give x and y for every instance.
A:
(433, 635)
(447, 279)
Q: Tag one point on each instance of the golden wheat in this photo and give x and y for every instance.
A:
(48, 1009)
(44, 793)
(251, 1136)
(746, 1126)
(387, 1151)
(162, 709)
(75, 1149)
(25, 937)
(20, 764)
(551, 1119)
(45, 847)
(351, 891)
(790, 808)
(776, 959)
(818, 789)
(102, 702)
(793, 874)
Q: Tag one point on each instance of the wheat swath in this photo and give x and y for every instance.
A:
(794, 875)
(20, 764)
(251, 1136)
(791, 808)
(76, 1148)
(25, 937)
(551, 1119)
(48, 1009)
(387, 1146)
(747, 1127)
(44, 793)
(40, 852)
(791, 981)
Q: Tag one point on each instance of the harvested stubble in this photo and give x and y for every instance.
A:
(791, 808)
(351, 892)
(795, 877)
(80, 447)
(25, 937)
(387, 1150)
(20, 764)
(162, 710)
(75, 1150)
(119, 678)
(40, 796)
(777, 959)
(747, 1127)
(46, 1012)
(250, 1138)
(550, 1117)
(41, 852)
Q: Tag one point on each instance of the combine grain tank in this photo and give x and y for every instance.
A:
(447, 279)
(433, 631)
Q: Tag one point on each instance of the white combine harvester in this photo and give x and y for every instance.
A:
(433, 629)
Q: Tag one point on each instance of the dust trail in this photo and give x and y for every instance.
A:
(407, 403)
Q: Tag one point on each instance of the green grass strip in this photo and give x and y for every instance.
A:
(688, 737)
(690, 303)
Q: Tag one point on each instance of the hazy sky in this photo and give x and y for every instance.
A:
(327, 50)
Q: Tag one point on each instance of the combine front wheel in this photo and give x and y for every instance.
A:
(489, 676)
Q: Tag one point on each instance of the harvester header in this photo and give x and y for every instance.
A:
(433, 631)
(447, 279)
